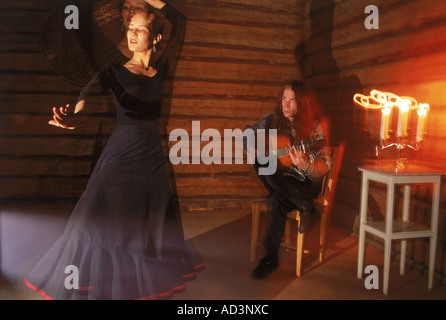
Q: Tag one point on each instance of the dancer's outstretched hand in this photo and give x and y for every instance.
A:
(61, 117)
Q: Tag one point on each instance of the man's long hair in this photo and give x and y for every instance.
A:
(308, 112)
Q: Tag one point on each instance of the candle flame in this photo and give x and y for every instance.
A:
(387, 100)
(424, 108)
(404, 105)
(386, 110)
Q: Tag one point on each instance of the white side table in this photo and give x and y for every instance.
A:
(391, 229)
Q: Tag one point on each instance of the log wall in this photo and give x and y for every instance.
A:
(234, 58)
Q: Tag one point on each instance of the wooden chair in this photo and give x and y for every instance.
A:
(323, 203)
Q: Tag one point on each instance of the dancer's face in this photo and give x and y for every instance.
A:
(138, 34)
(129, 9)
(289, 104)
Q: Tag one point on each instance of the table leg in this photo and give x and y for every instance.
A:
(406, 208)
(434, 227)
(362, 221)
(388, 231)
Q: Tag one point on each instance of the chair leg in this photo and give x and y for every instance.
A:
(288, 233)
(323, 232)
(255, 211)
(299, 252)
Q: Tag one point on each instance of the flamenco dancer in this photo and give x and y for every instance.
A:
(124, 237)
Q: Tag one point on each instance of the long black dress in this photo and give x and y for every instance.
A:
(123, 237)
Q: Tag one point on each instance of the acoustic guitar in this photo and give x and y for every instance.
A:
(281, 150)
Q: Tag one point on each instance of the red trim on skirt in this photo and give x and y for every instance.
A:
(151, 297)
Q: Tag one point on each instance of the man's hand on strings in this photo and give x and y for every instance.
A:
(298, 158)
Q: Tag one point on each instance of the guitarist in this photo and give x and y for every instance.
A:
(293, 187)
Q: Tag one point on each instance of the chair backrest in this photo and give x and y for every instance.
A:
(330, 180)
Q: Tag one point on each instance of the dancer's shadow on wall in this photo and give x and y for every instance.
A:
(334, 90)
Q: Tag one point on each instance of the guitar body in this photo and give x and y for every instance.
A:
(283, 145)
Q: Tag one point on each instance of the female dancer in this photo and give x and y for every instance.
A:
(127, 9)
(123, 239)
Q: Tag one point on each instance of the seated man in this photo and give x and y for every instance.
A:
(296, 184)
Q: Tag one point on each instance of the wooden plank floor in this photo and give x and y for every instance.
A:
(223, 240)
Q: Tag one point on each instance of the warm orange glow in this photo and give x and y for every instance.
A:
(386, 101)
(379, 100)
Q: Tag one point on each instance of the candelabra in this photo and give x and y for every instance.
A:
(386, 102)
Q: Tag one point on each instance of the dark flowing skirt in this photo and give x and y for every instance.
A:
(123, 239)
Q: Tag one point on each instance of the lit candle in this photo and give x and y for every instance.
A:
(422, 112)
(385, 123)
(403, 118)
